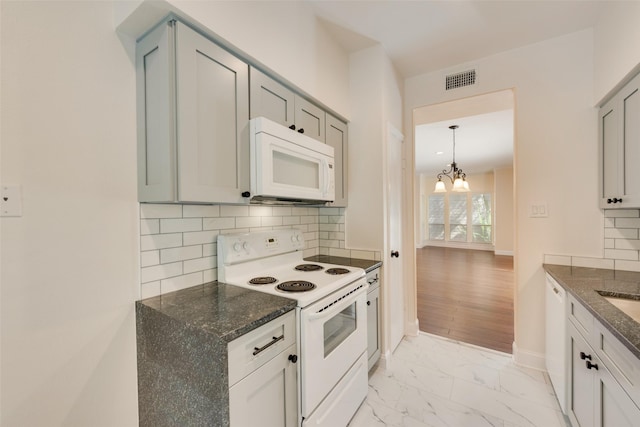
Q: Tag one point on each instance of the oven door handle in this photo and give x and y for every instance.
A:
(336, 306)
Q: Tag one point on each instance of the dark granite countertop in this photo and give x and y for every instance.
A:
(583, 283)
(225, 311)
(366, 264)
(182, 337)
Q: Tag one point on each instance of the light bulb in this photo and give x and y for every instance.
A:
(440, 188)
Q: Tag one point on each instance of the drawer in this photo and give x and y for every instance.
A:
(581, 318)
(252, 350)
(623, 365)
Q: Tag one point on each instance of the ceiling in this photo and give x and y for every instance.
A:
(422, 36)
(483, 142)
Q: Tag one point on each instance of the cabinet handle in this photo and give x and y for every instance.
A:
(293, 358)
(395, 254)
(301, 130)
(274, 340)
(584, 356)
(246, 194)
(592, 365)
(614, 200)
(368, 302)
(292, 127)
(373, 281)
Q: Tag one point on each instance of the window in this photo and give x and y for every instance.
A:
(481, 218)
(436, 217)
(460, 217)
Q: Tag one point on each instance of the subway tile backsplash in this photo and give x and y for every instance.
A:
(621, 244)
(178, 242)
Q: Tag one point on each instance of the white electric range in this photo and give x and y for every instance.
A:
(331, 317)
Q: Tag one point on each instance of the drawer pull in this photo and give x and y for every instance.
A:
(257, 350)
(592, 365)
(584, 356)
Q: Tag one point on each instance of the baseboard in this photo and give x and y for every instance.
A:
(412, 329)
(528, 359)
(506, 253)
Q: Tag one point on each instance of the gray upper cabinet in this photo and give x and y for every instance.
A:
(274, 101)
(337, 137)
(193, 112)
(270, 99)
(619, 139)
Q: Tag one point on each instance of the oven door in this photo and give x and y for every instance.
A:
(333, 336)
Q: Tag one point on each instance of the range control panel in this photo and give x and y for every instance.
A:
(242, 247)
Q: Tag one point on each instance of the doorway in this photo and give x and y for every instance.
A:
(465, 240)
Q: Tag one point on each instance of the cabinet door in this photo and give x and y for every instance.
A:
(581, 382)
(373, 326)
(212, 88)
(337, 137)
(309, 119)
(270, 99)
(611, 156)
(619, 138)
(268, 396)
(156, 116)
(614, 408)
(630, 108)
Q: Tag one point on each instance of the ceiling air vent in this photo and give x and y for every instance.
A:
(464, 78)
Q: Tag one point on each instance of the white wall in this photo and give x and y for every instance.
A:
(70, 263)
(616, 52)
(366, 136)
(555, 125)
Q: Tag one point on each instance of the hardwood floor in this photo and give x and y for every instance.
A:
(466, 295)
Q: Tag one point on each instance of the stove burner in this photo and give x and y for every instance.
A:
(308, 267)
(262, 280)
(296, 286)
(336, 271)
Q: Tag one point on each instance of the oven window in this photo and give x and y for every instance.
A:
(338, 328)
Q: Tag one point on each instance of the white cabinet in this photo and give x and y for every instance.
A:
(263, 376)
(337, 136)
(193, 113)
(274, 101)
(596, 397)
(373, 317)
(619, 139)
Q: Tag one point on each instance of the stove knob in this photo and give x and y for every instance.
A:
(245, 246)
(295, 238)
(237, 246)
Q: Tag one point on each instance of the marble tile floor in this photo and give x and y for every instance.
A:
(436, 382)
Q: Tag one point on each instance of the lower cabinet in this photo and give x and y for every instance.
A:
(596, 398)
(373, 317)
(263, 376)
(267, 396)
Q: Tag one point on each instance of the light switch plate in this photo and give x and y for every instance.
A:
(538, 210)
(10, 200)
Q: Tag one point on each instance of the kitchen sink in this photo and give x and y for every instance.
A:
(628, 303)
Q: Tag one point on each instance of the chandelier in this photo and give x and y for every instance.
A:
(457, 177)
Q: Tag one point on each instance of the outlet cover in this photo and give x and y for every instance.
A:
(10, 200)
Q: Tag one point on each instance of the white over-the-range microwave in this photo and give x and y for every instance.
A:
(289, 167)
